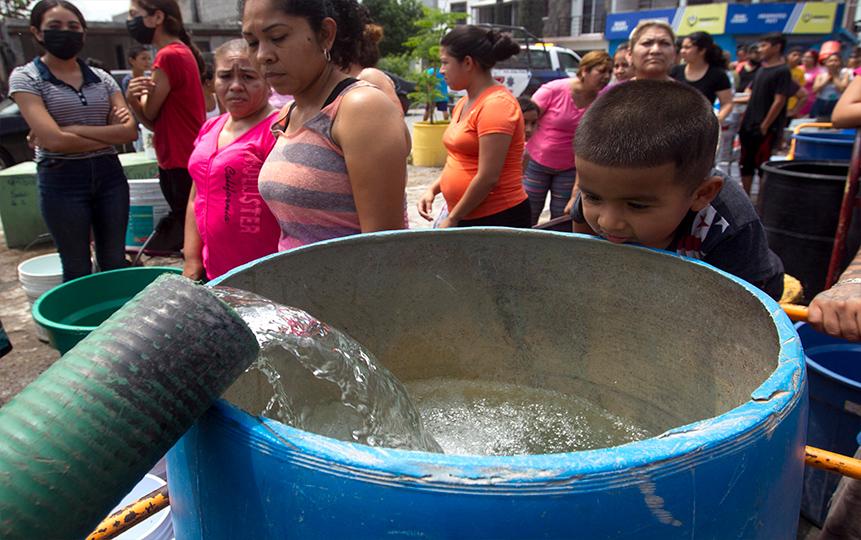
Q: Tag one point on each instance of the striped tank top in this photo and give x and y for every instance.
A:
(305, 182)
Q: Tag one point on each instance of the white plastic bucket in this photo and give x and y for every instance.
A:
(147, 207)
(37, 276)
(156, 527)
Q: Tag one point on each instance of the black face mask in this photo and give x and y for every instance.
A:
(140, 32)
(64, 44)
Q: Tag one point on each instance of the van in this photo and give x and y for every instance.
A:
(536, 64)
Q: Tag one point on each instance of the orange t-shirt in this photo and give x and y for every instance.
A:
(495, 111)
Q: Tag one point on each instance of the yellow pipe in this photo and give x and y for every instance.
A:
(797, 130)
(126, 518)
(829, 461)
(795, 312)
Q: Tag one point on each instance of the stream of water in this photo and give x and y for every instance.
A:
(321, 380)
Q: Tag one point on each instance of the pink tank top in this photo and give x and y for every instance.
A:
(234, 222)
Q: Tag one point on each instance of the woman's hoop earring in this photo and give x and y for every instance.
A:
(327, 54)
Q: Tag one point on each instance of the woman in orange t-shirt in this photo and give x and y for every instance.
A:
(482, 178)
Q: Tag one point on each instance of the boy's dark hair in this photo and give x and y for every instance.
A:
(135, 50)
(648, 124)
(798, 49)
(775, 38)
(527, 105)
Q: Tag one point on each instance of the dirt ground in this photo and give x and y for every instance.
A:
(30, 357)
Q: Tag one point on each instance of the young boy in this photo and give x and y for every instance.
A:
(645, 152)
(531, 112)
(140, 60)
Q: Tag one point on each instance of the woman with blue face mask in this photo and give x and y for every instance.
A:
(76, 114)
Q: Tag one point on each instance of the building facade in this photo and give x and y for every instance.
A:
(584, 25)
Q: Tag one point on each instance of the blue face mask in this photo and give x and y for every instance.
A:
(140, 32)
(64, 44)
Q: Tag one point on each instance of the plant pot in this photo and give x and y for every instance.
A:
(428, 150)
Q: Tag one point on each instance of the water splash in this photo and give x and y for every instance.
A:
(473, 417)
(324, 381)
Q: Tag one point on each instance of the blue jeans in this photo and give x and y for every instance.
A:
(538, 180)
(80, 195)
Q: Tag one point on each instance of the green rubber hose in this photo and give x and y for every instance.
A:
(79, 437)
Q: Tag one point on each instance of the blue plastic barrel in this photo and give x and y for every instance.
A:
(834, 368)
(708, 363)
(827, 145)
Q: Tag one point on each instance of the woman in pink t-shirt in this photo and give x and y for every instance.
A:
(227, 222)
(551, 149)
(810, 63)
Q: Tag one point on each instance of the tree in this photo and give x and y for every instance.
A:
(424, 41)
(424, 47)
(14, 9)
(398, 19)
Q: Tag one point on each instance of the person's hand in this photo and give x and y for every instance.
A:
(837, 311)
(138, 88)
(32, 140)
(447, 223)
(763, 129)
(425, 205)
(193, 269)
(119, 115)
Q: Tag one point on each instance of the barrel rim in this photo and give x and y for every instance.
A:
(773, 167)
(675, 449)
(59, 289)
(825, 140)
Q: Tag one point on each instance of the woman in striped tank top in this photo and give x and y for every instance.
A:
(339, 165)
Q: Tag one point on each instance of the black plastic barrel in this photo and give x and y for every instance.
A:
(799, 206)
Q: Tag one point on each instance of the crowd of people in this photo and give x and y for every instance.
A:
(244, 178)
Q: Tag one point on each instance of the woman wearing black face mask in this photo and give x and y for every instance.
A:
(170, 103)
(76, 114)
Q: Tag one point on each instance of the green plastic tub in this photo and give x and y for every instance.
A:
(72, 310)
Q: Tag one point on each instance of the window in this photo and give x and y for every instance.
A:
(496, 14)
(458, 7)
(539, 58)
(568, 62)
(485, 14)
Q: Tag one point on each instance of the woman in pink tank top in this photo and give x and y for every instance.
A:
(227, 223)
(339, 166)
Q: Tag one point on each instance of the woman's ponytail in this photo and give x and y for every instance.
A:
(198, 57)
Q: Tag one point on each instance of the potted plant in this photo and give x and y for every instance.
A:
(428, 150)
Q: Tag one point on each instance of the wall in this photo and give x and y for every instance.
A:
(110, 41)
(210, 10)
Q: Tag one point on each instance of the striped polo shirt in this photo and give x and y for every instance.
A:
(88, 106)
